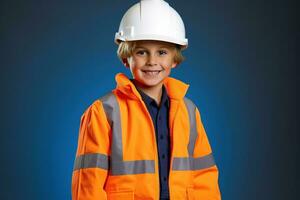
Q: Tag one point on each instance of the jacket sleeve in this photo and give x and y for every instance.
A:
(92, 157)
(205, 172)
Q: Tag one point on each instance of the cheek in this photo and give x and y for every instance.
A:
(137, 62)
(133, 64)
(168, 64)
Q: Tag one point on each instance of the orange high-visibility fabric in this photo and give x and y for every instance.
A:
(139, 143)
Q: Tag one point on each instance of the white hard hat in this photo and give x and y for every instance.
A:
(152, 20)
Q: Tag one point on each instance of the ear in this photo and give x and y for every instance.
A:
(174, 64)
(125, 62)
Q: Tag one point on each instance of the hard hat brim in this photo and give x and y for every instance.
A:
(182, 43)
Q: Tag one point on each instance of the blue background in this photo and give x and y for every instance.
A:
(57, 57)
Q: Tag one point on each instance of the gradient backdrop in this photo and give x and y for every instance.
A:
(57, 57)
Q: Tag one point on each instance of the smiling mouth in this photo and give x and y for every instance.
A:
(152, 72)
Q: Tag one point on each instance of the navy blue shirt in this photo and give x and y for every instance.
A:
(160, 119)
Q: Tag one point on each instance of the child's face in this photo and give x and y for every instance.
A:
(151, 62)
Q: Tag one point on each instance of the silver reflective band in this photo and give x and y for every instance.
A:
(94, 160)
(191, 107)
(189, 163)
(112, 111)
(117, 164)
(132, 167)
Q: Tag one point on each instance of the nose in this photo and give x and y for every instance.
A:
(151, 61)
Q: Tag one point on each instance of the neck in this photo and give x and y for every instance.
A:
(155, 92)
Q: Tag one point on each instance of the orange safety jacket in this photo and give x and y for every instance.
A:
(117, 155)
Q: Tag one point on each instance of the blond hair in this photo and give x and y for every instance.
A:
(125, 50)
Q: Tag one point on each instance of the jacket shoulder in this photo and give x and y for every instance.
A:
(107, 97)
(97, 104)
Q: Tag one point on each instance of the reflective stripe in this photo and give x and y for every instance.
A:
(94, 160)
(118, 165)
(193, 163)
(182, 163)
(191, 107)
(133, 167)
(112, 111)
(203, 162)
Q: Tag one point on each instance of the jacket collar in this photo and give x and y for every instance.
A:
(176, 89)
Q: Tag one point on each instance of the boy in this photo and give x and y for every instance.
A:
(145, 140)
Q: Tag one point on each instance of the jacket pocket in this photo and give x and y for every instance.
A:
(190, 193)
(120, 195)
